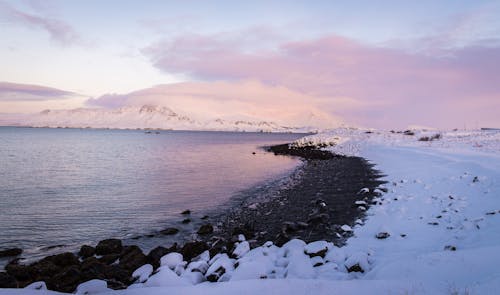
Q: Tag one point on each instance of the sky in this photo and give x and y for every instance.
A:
(381, 64)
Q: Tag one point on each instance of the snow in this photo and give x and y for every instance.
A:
(171, 260)
(143, 273)
(92, 287)
(145, 117)
(433, 230)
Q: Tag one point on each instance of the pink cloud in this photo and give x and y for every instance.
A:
(28, 92)
(59, 31)
(390, 84)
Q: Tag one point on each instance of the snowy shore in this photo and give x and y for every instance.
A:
(433, 229)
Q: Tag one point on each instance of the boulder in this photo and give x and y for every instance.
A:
(132, 259)
(157, 253)
(62, 260)
(86, 251)
(186, 212)
(192, 249)
(11, 252)
(65, 281)
(205, 229)
(7, 281)
(109, 246)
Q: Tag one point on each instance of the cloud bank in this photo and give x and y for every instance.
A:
(448, 88)
(27, 92)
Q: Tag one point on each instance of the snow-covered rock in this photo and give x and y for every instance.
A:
(92, 287)
(171, 260)
(143, 273)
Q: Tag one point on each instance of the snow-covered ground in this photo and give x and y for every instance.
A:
(435, 229)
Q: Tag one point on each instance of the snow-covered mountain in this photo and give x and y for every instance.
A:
(148, 117)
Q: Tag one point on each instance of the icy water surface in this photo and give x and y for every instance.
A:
(73, 186)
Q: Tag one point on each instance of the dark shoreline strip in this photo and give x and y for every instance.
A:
(319, 199)
(319, 202)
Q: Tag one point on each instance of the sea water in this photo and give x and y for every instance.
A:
(61, 188)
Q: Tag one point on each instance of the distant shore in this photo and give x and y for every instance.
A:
(317, 202)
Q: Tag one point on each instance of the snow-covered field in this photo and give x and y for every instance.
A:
(434, 229)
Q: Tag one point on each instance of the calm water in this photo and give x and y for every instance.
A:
(71, 186)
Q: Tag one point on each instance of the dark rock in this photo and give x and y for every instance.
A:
(204, 217)
(408, 132)
(18, 271)
(215, 276)
(115, 272)
(433, 223)
(289, 227)
(186, 212)
(205, 229)
(192, 249)
(281, 239)
(86, 251)
(11, 252)
(63, 259)
(157, 253)
(132, 259)
(186, 221)
(7, 281)
(476, 179)
(355, 268)
(169, 231)
(109, 258)
(65, 281)
(109, 246)
(92, 268)
(450, 248)
(320, 253)
(382, 235)
(116, 285)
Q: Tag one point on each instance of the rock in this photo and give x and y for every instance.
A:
(169, 231)
(11, 252)
(116, 273)
(382, 235)
(65, 281)
(192, 249)
(18, 271)
(215, 276)
(318, 248)
(92, 268)
(450, 248)
(109, 259)
(476, 179)
(186, 212)
(132, 259)
(204, 217)
(7, 281)
(109, 246)
(157, 253)
(186, 221)
(205, 229)
(86, 251)
(63, 259)
(289, 227)
(355, 268)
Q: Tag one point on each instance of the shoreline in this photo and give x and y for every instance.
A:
(319, 198)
